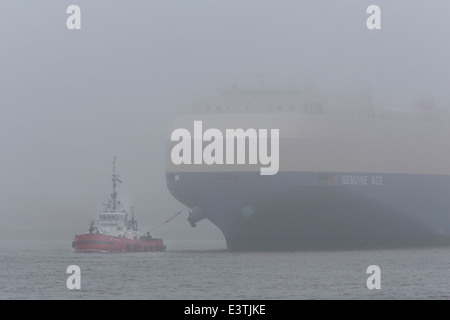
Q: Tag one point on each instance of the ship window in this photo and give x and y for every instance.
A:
(177, 177)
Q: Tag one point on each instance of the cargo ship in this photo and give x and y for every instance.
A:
(114, 231)
(351, 175)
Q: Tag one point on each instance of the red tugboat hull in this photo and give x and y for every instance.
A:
(103, 243)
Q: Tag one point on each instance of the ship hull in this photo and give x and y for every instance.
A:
(92, 242)
(343, 181)
(317, 210)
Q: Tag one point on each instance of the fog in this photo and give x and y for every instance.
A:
(71, 100)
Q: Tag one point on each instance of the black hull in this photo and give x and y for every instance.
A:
(302, 211)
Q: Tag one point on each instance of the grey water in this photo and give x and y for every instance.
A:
(206, 270)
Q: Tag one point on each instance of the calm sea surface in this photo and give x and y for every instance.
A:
(206, 270)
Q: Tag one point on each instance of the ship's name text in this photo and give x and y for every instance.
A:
(235, 146)
(362, 180)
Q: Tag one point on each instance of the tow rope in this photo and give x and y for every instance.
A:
(161, 224)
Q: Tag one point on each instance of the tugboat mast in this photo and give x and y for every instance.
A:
(115, 179)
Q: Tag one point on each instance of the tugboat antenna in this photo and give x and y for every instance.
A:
(115, 179)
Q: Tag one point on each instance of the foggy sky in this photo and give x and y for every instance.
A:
(71, 100)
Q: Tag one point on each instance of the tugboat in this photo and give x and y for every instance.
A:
(113, 231)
